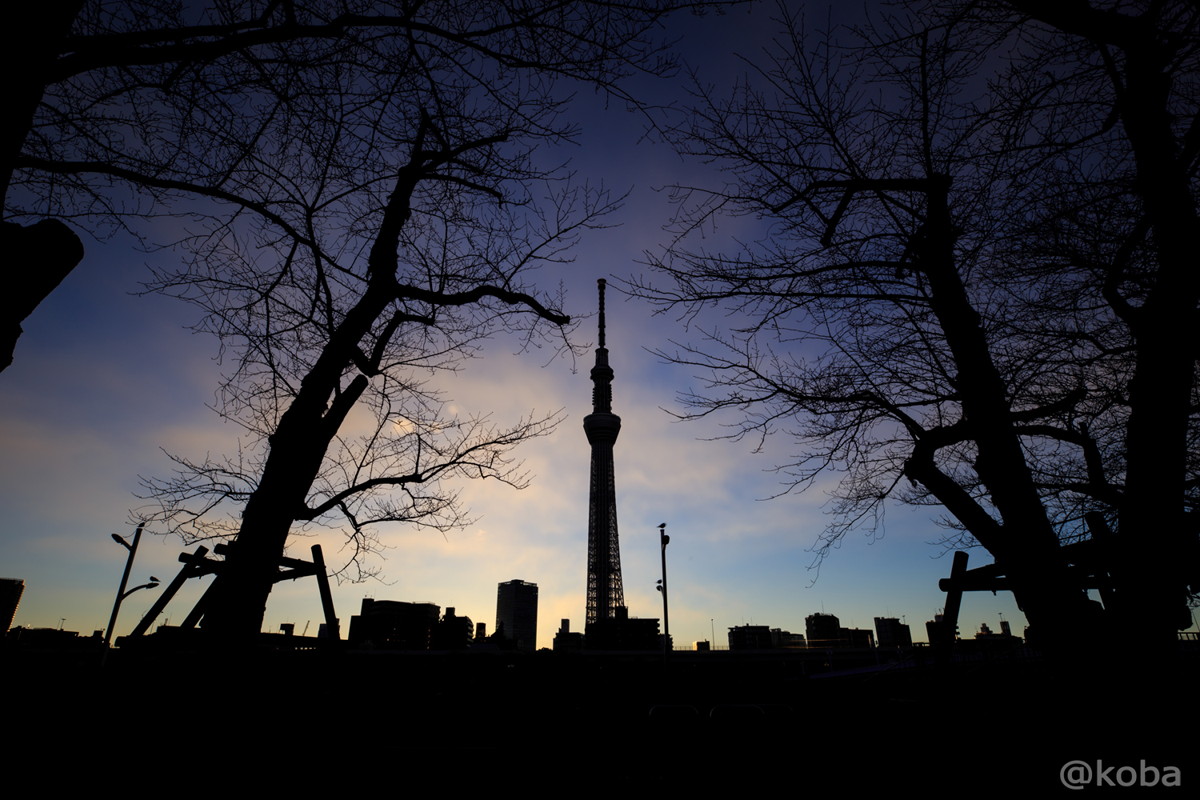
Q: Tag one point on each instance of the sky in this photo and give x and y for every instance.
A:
(105, 381)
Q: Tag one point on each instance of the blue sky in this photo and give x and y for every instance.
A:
(103, 381)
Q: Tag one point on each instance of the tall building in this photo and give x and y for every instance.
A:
(516, 613)
(605, 590)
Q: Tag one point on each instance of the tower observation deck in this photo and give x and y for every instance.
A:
(605, 591)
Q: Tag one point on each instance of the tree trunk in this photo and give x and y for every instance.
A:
(1153, 555)
(237, 602)
(1025, 545)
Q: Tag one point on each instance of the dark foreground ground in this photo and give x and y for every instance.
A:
(362, 724)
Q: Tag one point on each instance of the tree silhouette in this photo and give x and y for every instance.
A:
(973, 291)
(358, 199)
(114, 113)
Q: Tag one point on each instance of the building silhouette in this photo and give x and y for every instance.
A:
(763, 637)
(605, 593)
(1005, 634)
(825, 630)
(566, 641)
(516, 613)
(822, 630)
(623, 632)
(452, 632)
(393, 625)
(750, 637)
(856, 637)
(785, 639)
(940, 631)
(892, 633)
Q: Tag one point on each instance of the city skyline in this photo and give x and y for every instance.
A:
(102, 380)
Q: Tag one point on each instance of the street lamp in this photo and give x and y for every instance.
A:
(664, 540)
(121, 591)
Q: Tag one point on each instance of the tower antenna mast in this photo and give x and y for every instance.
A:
(605, 589)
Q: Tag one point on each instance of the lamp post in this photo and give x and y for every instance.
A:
(121, 592)
(664, 540)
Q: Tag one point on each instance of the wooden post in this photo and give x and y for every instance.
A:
(189, 567)
(331, 620)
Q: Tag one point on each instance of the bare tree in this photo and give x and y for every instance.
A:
(111, 109)
(964, 298)
(114, 112)
(318, 335)
(1146, 58)
(362, 198)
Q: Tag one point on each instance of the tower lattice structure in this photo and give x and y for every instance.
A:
(605, 591)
